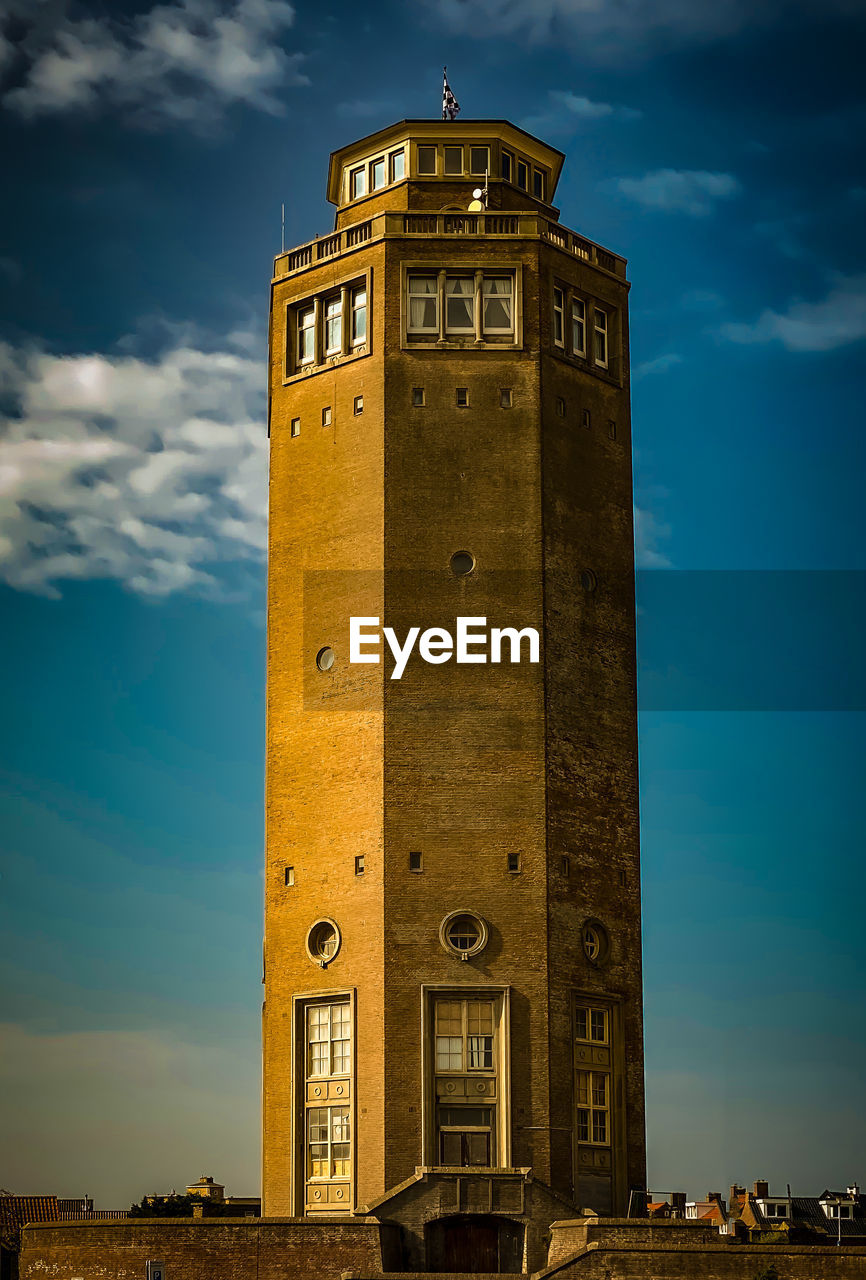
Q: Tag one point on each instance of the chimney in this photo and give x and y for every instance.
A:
(762, 1190)
(737, 1193)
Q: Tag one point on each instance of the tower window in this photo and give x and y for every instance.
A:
(596, 946)
(358, 405)
(325, 659)
(466, 1030)
(326, 416)
(426, 161)
(479, 160)
(357, 183)
(462, 397)
(523, 175)
(505, 398)
(418, 400)
(397, 162)
(463, 933)
(600, 326)
(507, 161)
(566, 866)
(327, 1040)
(578, 327)
(496, 292)
(538, 184)
(359, 317)
(611, 429)
(333, 326)
(289, 876)
(514, 862)
(558, 317)
(586, 419)
(323, 942)
(306, 336)
(296, 426)
(423, 304)
(415, 861)
(460, 304)
(462, 562)
(454, 160)
(377, 174)
(359, 864)
(560, 406)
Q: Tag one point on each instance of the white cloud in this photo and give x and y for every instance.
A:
(566, 111)
(661, 364)
(648, 533)
(149, 472)
(183, 62)
(609, 29)
(834, 321)
(691, 191)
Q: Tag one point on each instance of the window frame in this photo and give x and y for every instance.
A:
(439, 336)
(522, 165)
(426, 147)
(559, 315)
(355, 308)
(539, 180)
(332, 318)
(315, 305)
(357, 177)
(399, 152)
(334, 1091)
(506, 161)
(603, 331)
(453, 147)
(434, 328)
(479, 146)
(373, 186)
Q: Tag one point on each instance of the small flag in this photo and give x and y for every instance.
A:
(450, 105)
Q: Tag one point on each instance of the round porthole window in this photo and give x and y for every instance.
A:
(463, 933)
(595, 942)
(323, 942)
(325, 659)
(462, 562)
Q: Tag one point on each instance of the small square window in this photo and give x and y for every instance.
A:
(326, 416)
(462, 397)
(418, 400)
(479, 160)
(507, 166)
(358, 405)
(611, 429)
(426, 160)
(290, 875)
(296, 426)
(415, 860)
(514, 862)
(585, 419)
(560, 406)
(359, 864)
(505, 398)
(454, 160)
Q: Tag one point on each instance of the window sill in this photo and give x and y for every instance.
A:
(456, 344)
(327, 365)
(581, 362)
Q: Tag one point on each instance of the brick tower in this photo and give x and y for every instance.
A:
(453, 1011)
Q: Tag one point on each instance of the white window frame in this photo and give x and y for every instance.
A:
(437, 303)
(393, 158)
(379, 160)
(578, 320)
(310, 329)
(603, 332)
(499, 275)
(358, 340)
(471, 297)
(558, 316)
(357, 177)
(332, 318)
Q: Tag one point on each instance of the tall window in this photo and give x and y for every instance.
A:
(460, 304)
(327, 1118)
(593, 1127)
(306, 336)
(397, 163)
(558, 317)
(357, 183)
(498, 309)
(426, 160)
(377, 174)
(479, 160)
(507, 161)
(423, 304)
(593, 1106)
(454, 160)
(523, 175)
(600, 325)
(359, 317)
(538, 184)
(333, 326)
(464, 1044)
(578, 327)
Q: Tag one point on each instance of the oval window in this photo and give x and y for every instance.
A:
(323, 942)
(462, 562)
(463, 933)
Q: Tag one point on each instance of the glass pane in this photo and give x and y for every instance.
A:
(398, 165)
(507, 165)
(422, 284)
(359, 315)
(341, 1057)
(522, 175)
(448, 1017)
(600, 347)
(497, 315)
(358, 183)
(479, 160)
(460, 318)
(319, 1059)
(319, 1161)
(460, 286)
(465, 1117)
(449, 1053)
(453, 159)
(583, 1087)
(582, 1024)
(450, 1147)
(599, 1126)
(481, 1052)
(478, 1148)
(599, 1090)
(597, 1024)
(341, 1160)
(583, 1126)
(538, 184)
(340, 1124)
(480, 1017)
(378, 174)
(317, 1122)
(426, 159)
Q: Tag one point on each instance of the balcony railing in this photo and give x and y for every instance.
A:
(521, 225)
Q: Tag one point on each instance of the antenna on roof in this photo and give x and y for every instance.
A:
(283, 227)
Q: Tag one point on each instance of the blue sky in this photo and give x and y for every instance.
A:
(147, 152)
